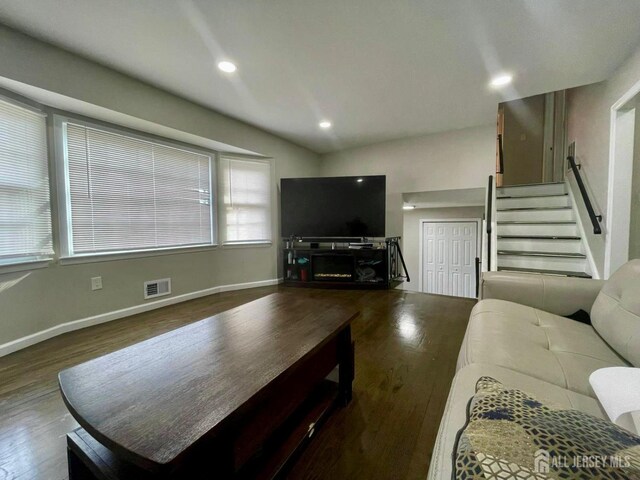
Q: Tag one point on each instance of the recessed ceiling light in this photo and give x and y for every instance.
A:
(501, 80)
(360, 180)
(408, 207)
(227, 67)
(325, 124)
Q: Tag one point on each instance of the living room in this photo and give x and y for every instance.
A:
(218, 105)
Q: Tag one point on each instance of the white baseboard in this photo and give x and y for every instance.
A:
(43, 335)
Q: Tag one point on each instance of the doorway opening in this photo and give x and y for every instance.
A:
(623, 199)
(531, 140)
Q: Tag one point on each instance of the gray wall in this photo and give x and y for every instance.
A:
(440, 161)
(523, 140)
(588, 124)
(411, 235)
(43, 298)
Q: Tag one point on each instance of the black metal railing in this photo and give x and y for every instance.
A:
(595, 219)
(489, 220)
(500, 155)
(477, 277)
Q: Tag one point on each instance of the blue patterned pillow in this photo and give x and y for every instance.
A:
(510, 434)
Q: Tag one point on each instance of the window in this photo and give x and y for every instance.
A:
(126, 193)
(25, 210)
(246, 200)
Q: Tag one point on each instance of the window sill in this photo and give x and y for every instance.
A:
(262, 243)
(110, 257)
(25, 265)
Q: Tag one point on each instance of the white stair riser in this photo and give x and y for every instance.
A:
(543, 263)
(535, 230)
(530, 223)
(537, 216)
(553, 201)
(543, 189)
(526, 245)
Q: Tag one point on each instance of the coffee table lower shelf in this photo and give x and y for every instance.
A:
(90, 460)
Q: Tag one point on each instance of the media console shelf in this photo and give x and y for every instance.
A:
(337, 265)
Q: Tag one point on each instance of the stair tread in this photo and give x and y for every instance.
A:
(541, 222)
(537, 237)
(502, 197)
(560, 273)
(541, 237)
(526, 253)
(543, 184)
(523, 209)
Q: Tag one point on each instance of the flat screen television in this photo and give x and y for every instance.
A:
(333, 207)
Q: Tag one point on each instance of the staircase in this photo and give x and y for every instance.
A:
(537, 231)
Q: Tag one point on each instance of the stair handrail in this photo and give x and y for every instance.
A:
(595, 219)
(489, 234)
(489, 220)
(500, 155)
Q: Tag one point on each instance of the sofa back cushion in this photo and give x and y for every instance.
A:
(616, 312)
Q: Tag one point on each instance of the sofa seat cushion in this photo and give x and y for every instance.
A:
(462, 390)
(551, 348)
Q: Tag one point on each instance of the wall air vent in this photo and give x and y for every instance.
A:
(157, 288)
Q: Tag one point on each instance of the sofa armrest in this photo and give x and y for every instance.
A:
(553, 294)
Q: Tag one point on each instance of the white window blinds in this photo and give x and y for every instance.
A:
(246, 200)
(25, 211)
(127, 194)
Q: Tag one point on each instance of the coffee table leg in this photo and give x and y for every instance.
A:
(347, 365)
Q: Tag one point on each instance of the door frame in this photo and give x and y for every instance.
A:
(548, 137)
(422, 221)
(616, 250)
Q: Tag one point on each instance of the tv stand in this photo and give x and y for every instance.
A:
(339, 265)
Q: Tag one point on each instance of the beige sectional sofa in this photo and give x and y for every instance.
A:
(518, 334)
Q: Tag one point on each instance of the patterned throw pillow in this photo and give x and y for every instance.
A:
(511, 435)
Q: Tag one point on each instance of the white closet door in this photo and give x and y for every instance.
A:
(449, 252)
(435, 258)
(462, 268)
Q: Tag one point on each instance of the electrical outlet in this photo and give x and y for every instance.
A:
(96, 283)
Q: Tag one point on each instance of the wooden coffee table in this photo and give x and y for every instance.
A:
(234, 395)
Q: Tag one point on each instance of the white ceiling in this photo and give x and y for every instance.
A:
(378, 69)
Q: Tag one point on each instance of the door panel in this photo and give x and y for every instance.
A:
(454, 283)
(441, 283)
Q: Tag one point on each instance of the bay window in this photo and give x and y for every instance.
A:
(125, 192)
(25, 211)
(245, 198)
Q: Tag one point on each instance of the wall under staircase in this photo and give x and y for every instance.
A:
(537, 231)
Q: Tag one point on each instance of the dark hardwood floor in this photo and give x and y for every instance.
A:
(406, 350)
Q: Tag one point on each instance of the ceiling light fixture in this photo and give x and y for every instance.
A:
(408, 207)
(227, 67)
(360, 180)
(501, 80)
(325, 124)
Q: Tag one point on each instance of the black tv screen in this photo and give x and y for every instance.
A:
(333, 206)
